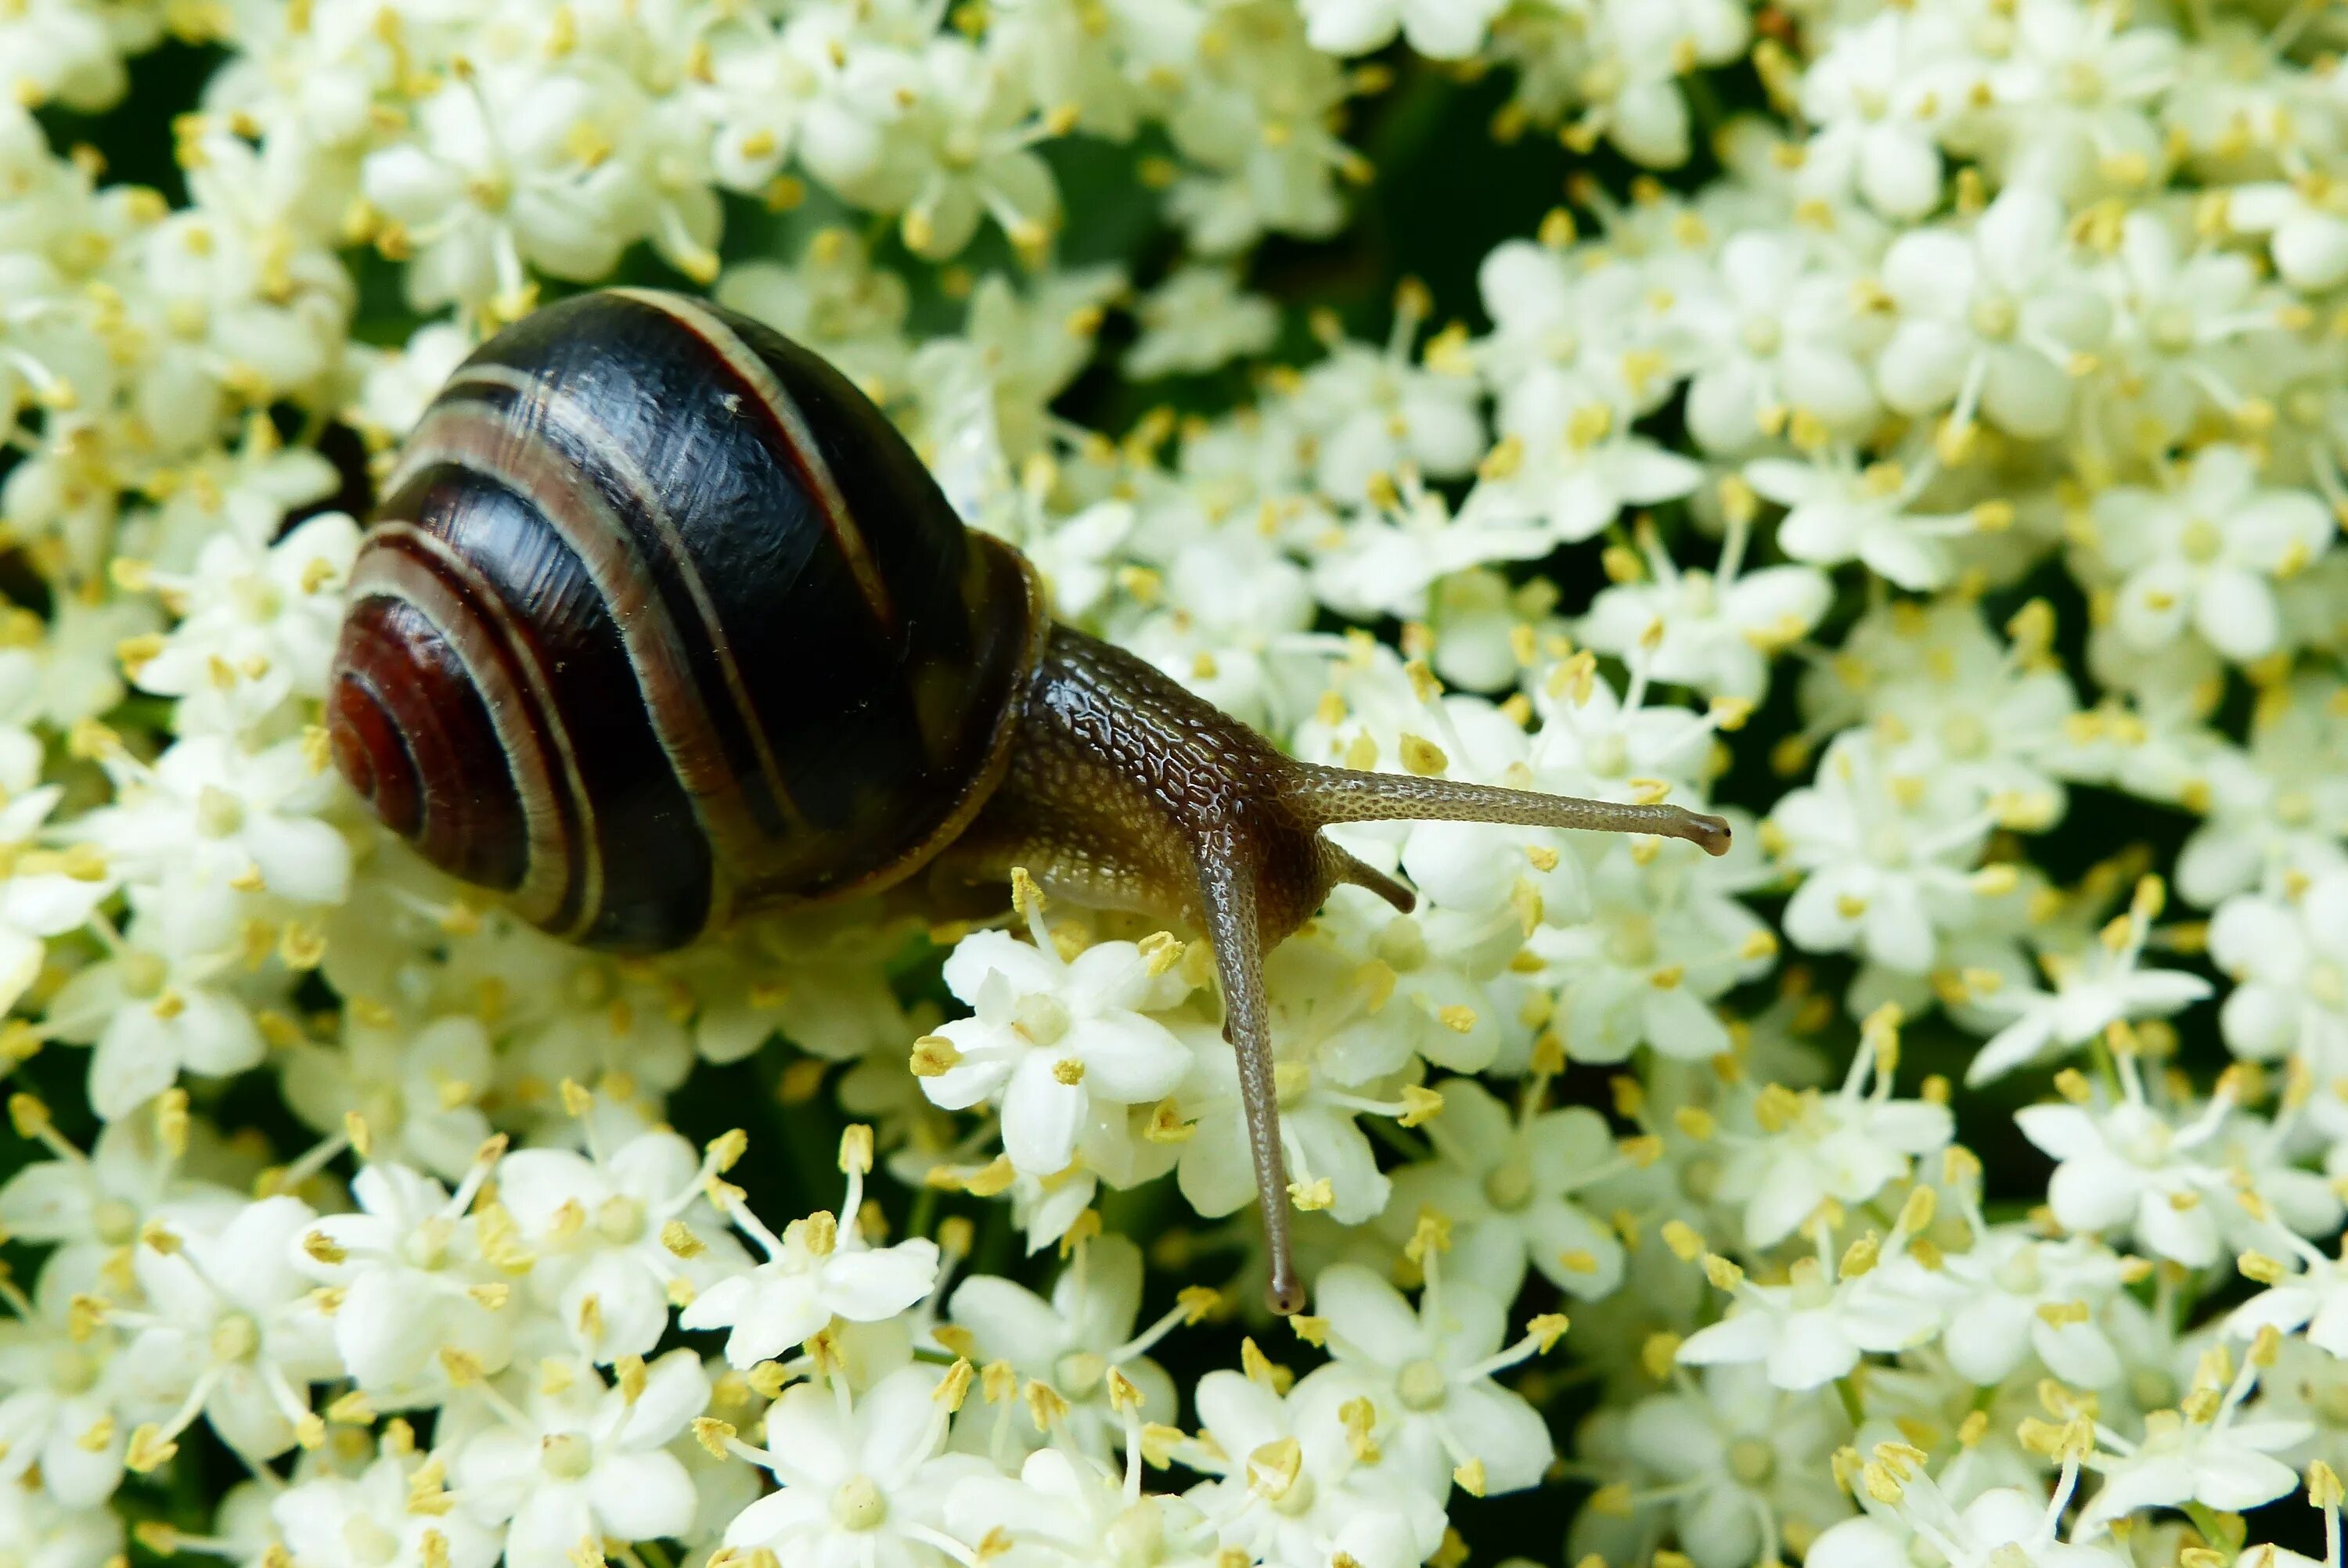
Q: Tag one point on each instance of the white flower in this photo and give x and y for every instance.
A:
(1738, 1457)
(2307, 233)
(2203, 553)
(566, 1012)
(1322, 1095)
(2075, 92)
(1428, 1372)
(1054, 1037)
(414, 1278)
(1074, 1341)
(860, 1480)
(1111, 65)
(1993, 713)
(1713, 631)
(1886, 851)
(1251, 183)
(259, 625)
(1045, 1212)
(508, 170)
(822, 985)
(44, 894)
(1810, 1148)
(1571, 463)
(244, 1530)
(1595, 741)
(92, 1207)
(2313, 1301)
(418, 1088)
(966, 153)
(1568, 328)
(1384, 560)
(1439, 29)
(72, 673)
(1641, 49)
(44, 1532)
(818, 88)
(1296, 1485)
(2210, 1457)
(245, 495)
(228, 1330)
(398, 385)
(586, 1463)
(1061, 1512)
(2195, 321)
(1374, 411)
(155, 1010)
(1814, 1327)
(816, 1270)
(2298, 1388)
(364, 1520)
(1230, 598)
(1478, 880)
(1200, 318)
(1770, 333)
(66, 1392)
(2126, 1167)
(669, 200)
(1506, 1183)
(209, 816)
(2013, 1294)
(1876, 95)
(2288, 962)
(1990, 321)
(2003, 1527)
(1074, 554)
(1837, 511)
(57, 49)
(598, 1229)
(2094, 990)
(243, 312)
(1664, 941)
(53, 361)
(1480, 619)
(2279, 810)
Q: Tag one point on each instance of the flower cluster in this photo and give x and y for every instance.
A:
(1920, 435)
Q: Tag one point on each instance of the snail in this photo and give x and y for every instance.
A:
(660, 623)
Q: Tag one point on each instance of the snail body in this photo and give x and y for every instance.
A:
(661, 622)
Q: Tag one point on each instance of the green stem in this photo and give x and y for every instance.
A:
(1387, 1132)
(2100, 1053)
(1847, 1387)
(2222, 1531)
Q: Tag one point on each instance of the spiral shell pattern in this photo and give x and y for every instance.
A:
(660, 621)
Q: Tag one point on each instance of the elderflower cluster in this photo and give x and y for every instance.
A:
(1915, 429)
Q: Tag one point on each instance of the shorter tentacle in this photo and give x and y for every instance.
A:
(1342, 865)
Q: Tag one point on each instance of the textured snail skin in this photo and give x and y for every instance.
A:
(661, 622)
(1128, 791)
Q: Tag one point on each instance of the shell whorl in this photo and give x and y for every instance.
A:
(660, 620)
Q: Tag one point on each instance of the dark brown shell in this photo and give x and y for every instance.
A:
(661, 620)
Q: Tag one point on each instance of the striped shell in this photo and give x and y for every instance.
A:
(660, 621)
